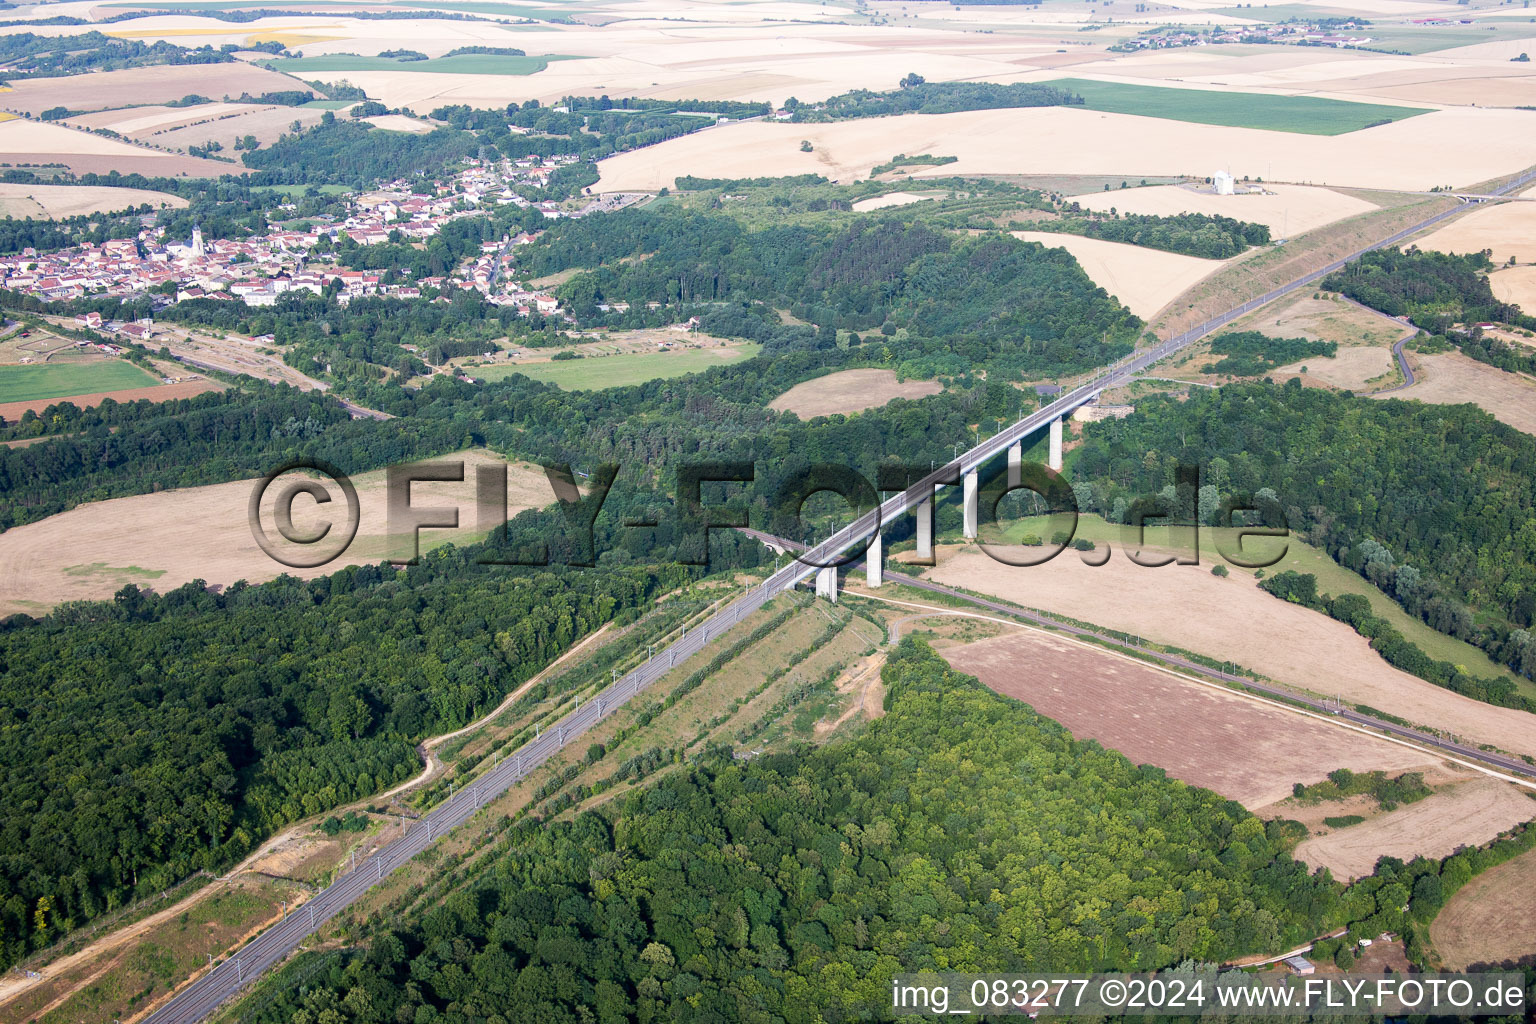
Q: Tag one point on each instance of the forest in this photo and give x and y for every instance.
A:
(1408, 495)
(930, 98)
(960, 832)
(942, 303)
(153, 736)
(1250, 353)
(1446, 295)
(346, 152)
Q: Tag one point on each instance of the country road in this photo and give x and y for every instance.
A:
(208, 992)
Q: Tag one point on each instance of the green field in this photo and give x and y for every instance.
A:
(1332, 579)
(1302, 114)
(598, 372)
(464, 64)
(328, 104)
(63, 380)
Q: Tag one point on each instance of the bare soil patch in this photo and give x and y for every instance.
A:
(1205, 735)
(12, 411)
(1188, 608)
(163, 540)
(849, 391)
(1451, 378)
(1492, 918)
(1465, 815)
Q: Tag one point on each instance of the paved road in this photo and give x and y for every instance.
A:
(200, 998)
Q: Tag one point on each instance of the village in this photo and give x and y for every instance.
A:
(258, 269)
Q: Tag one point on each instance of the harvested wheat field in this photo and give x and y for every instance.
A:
(143, 121)
(35, 143)
(57, 201)
(163, 540)
(1357, 368)
(1491, 919)
(265, 123)
(1205, 735)
(887, 201)
(12, 411)
(1458, 146)
(850, 391)
(1287, 210)
(1517, 285)
(1144, 280)
(1188, 608)
(161, 83)
(400, 123)
(1508, 229)
(1451, 378)
(1467, 814)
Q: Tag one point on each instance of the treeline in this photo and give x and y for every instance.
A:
(795, 886)
(1398, 650)
(150, 737)
(1250, 353)
(1413, 497)
(689, 183)
(932, 98)
(27, 55)
(1388, 793)
(144, 447)
(1192, 234)
(992, 300)
(589, 128)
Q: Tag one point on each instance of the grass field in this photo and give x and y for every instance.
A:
(29, 383)
(324, 105)
(616, 371)
(464, 64)
(1302, 114)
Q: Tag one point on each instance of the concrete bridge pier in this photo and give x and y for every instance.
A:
(970, 504)
(1055, 456)
(826, 583)
(1016, 464)
(874, 561)
(924, 512)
